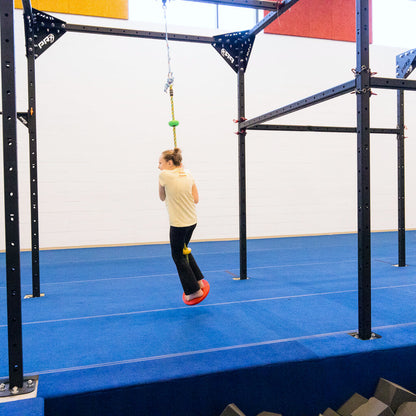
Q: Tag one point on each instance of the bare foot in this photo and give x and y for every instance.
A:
(194, 295)
(201, 283)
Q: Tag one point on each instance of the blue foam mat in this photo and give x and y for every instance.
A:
(113, 318)
(25, 407)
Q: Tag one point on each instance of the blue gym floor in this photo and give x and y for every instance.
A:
(112, 335)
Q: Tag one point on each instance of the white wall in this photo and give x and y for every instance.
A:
(102, 123)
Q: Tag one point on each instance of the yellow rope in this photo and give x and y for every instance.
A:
(173, 114)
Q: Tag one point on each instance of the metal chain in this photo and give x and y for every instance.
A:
(170, 79)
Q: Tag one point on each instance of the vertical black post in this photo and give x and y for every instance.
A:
(235, 48)
(401, 180)
(363, 170)
(30, 54)
(11, 206)
(242, 175)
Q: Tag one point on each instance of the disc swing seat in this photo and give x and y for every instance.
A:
(174, 123)
(195, 301)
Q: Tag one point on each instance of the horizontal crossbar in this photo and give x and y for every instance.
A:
(393, 83)
(136, 33)
(254, 4)
(298, 105)
(272, 16)
(386, 83)
(328, 129)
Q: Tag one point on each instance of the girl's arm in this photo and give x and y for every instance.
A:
(195, 193)
(162, 192)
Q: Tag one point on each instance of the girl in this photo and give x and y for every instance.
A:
(177, 187)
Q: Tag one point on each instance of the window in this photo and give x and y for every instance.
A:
(194, 14)
(393, 21)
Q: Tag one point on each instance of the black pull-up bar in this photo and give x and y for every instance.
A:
(136, 33)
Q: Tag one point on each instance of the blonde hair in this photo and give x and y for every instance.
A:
(175, 155)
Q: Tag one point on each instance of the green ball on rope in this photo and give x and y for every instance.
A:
(174, 123)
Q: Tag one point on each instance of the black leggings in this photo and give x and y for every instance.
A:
(189, 273)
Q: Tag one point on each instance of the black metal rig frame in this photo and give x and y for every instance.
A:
(405, 64)
(43, 30)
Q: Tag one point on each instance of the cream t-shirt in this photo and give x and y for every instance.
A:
(179, 200)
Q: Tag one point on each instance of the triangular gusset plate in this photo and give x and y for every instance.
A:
(23, 118)
(235, 48)
(46, 31)
(405, 63)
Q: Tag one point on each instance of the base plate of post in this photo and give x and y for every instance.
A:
(356, 335)
(31, 296)
(8, 393)
(236, 277)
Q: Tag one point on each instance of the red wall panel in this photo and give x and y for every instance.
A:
(323, 19)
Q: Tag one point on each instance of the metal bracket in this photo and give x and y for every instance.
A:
(363, 68)
(241, 131)
(405, 63)
(23, 118)
(43, 30)
(364, 91)
(235, 48)
(29, 385)
(358, 72)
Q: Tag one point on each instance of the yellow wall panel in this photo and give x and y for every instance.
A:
(118, 9)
